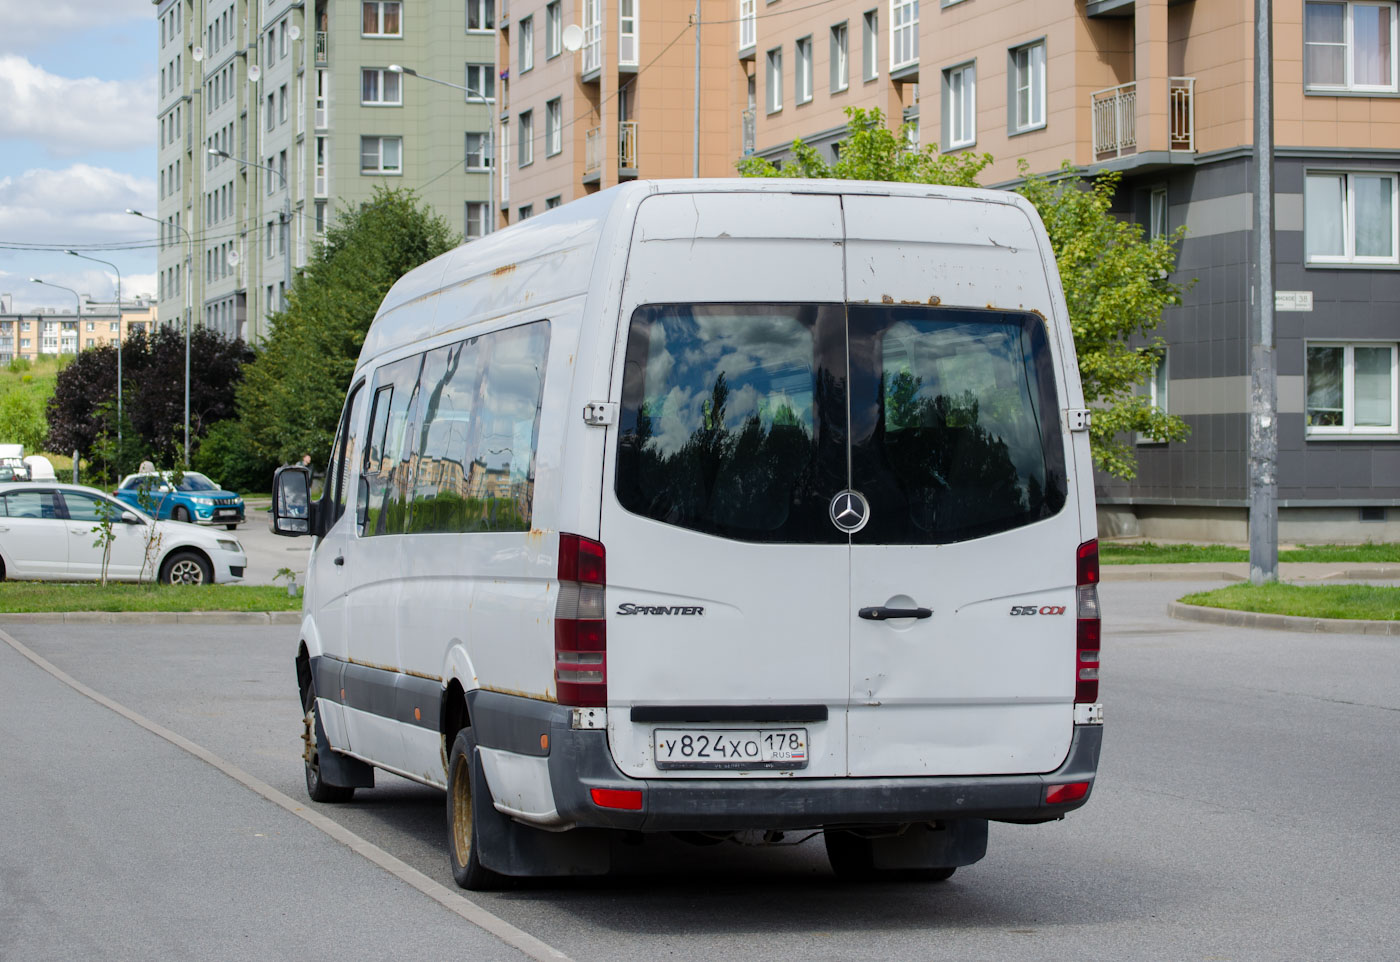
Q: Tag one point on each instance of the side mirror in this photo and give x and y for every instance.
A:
(129, 517)
(293, 512)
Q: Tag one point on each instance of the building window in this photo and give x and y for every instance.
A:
(481, 81)
(381, 155)
(1157, 213)
(748, 22)
(869, 45)
(282, 104)
(1349, 46)
(1156, 392)
(1351, 389)
(320, 221)
(553, 127)
(627, 32)
(840, 65)
(775, 80)
(527, 43)
(478, 151)
(526, 213)
(476, 219)
(553, 30)
(904, 33)
(1028, 94)
(380, 88)
(802, 79)
(527, 138)
(960, 105)
(481, 15)
(271, 111)
(1350, 218)
(380, 18)
(552, 202)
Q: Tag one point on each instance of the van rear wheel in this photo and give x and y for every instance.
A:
(852, 858)
(464, 778)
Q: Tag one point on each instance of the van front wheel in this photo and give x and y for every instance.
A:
(463, 776)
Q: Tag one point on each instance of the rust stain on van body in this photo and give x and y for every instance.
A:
(504, 269)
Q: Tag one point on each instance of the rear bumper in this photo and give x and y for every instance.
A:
(579, 761)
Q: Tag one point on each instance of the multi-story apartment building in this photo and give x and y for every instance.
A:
(273, 112)
(1158, 89)
(92, 324)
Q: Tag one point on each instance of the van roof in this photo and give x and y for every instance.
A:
(552, 255)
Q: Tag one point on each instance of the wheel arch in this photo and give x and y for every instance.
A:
(192, 549)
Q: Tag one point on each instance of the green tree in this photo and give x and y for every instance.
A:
(1115, 279)
(290, 397)
(22, 419)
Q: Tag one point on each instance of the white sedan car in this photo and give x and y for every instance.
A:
(51, 532)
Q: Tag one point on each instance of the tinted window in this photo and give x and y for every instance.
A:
(954, 423)
(196, 482)
(30, 504)
(479, 430)
(733, 419)
(394, 386)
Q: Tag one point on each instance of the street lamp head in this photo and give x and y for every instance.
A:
(136, 213)
(71, 251)
(35, 280)
(216, 152)
(399, 68)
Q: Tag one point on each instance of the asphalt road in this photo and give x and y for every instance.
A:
(1243, 812)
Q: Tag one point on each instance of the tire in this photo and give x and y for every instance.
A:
(181, 513)
(852, 860)
(186, 568)
(317, 789)
(464, 775)
(231, 526)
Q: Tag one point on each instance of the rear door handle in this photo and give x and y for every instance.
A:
(882, 613)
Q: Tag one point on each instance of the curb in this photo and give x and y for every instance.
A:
(152, 618)
(1255, 619)
(1181, 572)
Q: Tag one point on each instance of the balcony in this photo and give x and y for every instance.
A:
(749, 126)
(592, 152)
(1114, 112)
(627, 146)
(323, 47)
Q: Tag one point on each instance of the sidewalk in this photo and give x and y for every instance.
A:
(1302, 572)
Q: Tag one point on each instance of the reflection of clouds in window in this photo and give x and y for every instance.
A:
(678, 417)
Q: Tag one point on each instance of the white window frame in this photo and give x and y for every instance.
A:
(380, 170)
(553, 127)
(773, 80)
(802, 70)
(475, 210)
(960, 82)
(1157, 392)
(748, 24)
(592, 35)
(485, 88)
(1158, 223)
(1349, 44)
(1348, 218)
(381, 6)
(904, 34)
(484, 13)
(1028, 72)
(1349, 427)
(870, 46)
(553, 30)
(840, 61)
(526, 31)
(628, 42)
(482, 152)
(381, 75)
(527, 138)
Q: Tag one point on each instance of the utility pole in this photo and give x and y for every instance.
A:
(1263, 397)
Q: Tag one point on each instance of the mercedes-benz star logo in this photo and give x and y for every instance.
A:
(849, 512)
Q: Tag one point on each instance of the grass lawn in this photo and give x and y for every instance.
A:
(1146, 552)
(1366, 602)
(18, 596)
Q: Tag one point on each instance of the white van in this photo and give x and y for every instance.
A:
(725, 508)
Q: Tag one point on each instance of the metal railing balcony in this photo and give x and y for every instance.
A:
(749, 126)
(1114, 112)
(1182, 113)
(323, 47)
(627, 145)
(593, 150)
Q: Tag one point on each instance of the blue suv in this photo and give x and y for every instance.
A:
(195, 498)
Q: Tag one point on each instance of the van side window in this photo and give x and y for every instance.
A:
(480, 425)
(733, 419)
(955, 429)
(347, 445)
(393, 389)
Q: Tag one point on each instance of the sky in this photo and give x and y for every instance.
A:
(77, 147)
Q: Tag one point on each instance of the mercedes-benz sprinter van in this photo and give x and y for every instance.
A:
(724, 508)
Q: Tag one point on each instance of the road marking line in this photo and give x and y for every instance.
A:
(444, 896)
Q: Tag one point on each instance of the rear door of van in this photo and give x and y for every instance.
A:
(838, 468)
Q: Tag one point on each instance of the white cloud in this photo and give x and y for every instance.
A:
(80, 205)
(28, 24)
(70, 115)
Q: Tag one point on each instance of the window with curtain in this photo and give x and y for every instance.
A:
(1350, 217)
(1350, 388)
(1349, 45)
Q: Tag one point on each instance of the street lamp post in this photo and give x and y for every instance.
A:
(489, 147)
(189, 265)
(120, 335)
(286, 215)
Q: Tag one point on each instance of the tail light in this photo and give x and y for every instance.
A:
(580, 631)
(1086, 661)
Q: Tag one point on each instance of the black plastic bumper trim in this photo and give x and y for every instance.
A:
(729, 713)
